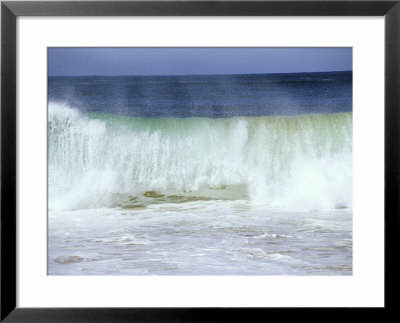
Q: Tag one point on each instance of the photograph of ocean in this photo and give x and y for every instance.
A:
(200, 161)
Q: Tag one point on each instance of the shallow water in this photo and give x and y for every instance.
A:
(201, 237)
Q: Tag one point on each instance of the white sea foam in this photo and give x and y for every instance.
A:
(200, 238)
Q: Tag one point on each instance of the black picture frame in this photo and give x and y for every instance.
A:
(10, 10)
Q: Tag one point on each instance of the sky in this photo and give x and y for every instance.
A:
(75, 61)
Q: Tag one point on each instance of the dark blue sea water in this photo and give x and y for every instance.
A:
(213, 96)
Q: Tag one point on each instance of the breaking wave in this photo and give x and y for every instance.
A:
(98, 160)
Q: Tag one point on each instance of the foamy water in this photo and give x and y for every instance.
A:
(200, 238)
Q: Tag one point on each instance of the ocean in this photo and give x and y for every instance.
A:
(200, 175)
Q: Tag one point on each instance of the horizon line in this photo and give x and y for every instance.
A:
(167, 75)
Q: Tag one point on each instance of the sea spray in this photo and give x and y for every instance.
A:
(302, 162)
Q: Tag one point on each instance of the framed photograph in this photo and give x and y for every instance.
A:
(197, 161)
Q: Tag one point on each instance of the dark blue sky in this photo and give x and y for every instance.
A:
(192, 61)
